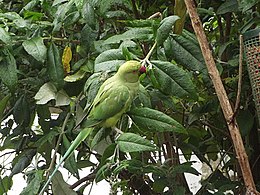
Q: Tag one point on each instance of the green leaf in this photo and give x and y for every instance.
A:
(10, 16)
(49, 92)
(130, 142)
(109, 55)
(185, 50)
(108, 66)
(56, 2)
(109, 151)
(46, 139)
(165, 28)
(133, 33)
(60, 187)
(46, 93)
(184, 168)
(133, 166)
(4, 36)
(173, 80)
(62, 98)
(245, 5)
(154, 120)
(103, 172)
(8, 70)
(5, 184)
(3, 103)
(139, 22)
(55, 68)
(33, 187)
(228, 6)
(36, 48)
(88, 13)
(88, 36)
(22, 112)
(105, 5)
(61, 14)
(70, 163)
(35, 16)
(92, 86)
(24, 160)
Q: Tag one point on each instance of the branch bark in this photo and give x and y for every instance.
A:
(223, 98)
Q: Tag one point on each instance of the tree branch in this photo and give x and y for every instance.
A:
(89, 177)
(222, 96)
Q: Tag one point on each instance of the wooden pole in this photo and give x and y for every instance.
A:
(223, 99)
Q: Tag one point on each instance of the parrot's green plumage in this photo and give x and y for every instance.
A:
(112, 100)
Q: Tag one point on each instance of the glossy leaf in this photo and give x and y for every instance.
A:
(88, 13)
(228, 6)
(185, 50)
(173, 80)
(4, 36)
(55, 68)
(88, 36)
(108, 66)
(70, 162)
(245, 5)
(23, 160)
(33, 187)
(36, 48)
(5, 184)
(109, 55)
(60, 187)
(75, 77)
(3, 103)
(133, 33)
(154, 120)
(60, 14)
(130, 142)
(46, 93)
(165, 27)
(184, 168)
(8, 70)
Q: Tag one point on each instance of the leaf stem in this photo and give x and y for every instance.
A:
(146, 59)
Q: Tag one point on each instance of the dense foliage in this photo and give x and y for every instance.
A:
(54, 56)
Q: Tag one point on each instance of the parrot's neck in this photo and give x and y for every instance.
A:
(129, 77)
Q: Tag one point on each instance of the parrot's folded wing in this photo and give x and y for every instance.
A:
(111, 102)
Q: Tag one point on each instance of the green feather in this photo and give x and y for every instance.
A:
(112, 100)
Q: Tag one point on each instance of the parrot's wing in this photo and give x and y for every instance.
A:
(109, 103)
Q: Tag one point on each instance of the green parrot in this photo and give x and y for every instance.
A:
(113, 99)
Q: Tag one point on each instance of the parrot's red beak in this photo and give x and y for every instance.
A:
(142, 70)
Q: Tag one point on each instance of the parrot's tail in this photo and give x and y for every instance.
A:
(81, 137)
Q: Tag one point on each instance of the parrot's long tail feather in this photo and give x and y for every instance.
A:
(81, 136)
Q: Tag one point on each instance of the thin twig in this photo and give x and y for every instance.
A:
(240, 69)
(58, 143)
(89, 177)
(146, 59)
(156, 15)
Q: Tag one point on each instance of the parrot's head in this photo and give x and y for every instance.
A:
(131, 70)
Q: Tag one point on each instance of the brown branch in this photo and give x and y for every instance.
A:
(222, 96)
(89, 177)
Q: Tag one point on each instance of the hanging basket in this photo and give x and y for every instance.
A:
(252, 52)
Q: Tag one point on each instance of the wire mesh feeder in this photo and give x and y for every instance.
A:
(252, 51)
